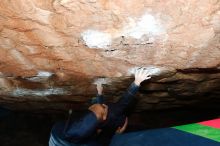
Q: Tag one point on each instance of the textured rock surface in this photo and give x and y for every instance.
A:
(52, 50)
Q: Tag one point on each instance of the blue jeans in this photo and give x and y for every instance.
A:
(59, 142)
(54, 142)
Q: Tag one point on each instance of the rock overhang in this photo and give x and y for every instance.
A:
(58, 48)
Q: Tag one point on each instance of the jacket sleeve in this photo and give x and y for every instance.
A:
(127, 98)
(82, 129)
(98, 99)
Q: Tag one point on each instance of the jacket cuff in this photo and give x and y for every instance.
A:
(133, 88)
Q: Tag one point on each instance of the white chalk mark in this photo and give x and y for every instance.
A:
(43, 92)
(152, 70)
(96, 39)
(147, 25)
(103, 81)
(44, 74)
(41, 76)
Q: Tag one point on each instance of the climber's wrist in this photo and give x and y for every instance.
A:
(136, 82)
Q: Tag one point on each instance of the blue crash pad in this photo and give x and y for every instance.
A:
(161, 137)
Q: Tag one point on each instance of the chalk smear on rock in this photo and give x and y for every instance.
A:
(18, 92)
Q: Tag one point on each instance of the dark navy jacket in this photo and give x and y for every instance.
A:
(83, 131)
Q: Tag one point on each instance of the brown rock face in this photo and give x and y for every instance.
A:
(52, 50)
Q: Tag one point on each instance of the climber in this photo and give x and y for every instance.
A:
(101, 121)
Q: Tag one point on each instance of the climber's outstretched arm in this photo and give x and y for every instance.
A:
(99, 97)
(140, 75)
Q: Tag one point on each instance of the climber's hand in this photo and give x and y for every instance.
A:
(140, 75)
(123, 128)
(99, 88)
